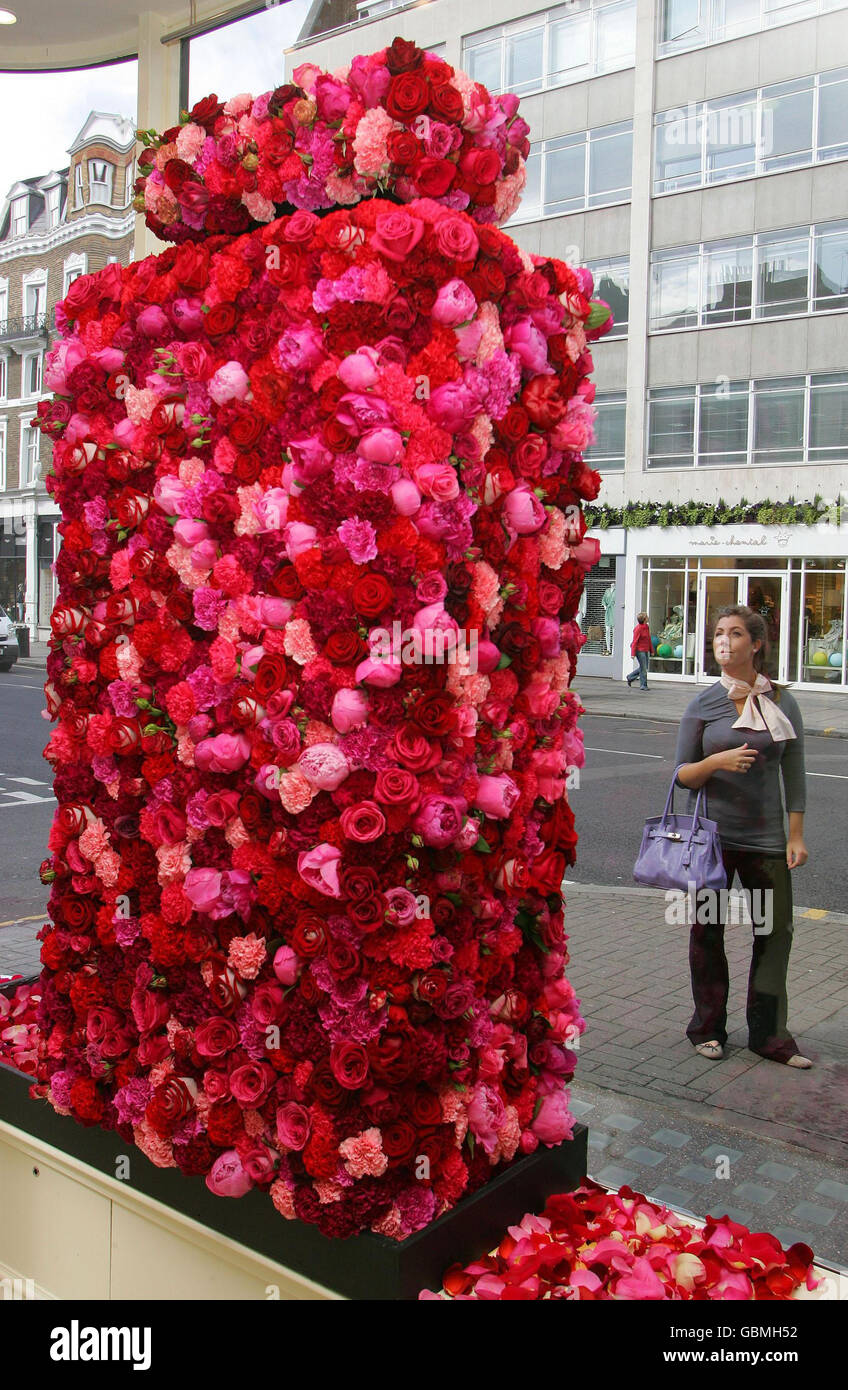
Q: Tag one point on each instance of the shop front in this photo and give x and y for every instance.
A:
(600, 615)
(794, 577)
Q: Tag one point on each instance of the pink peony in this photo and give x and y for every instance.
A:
(325, 766)
(350, 709)
(359, 370)
(382, 445)
(439, 820)
(455, 304)
(319, 868)
(524, 512)
(554, 1122)
(223, 753)
(286, 965)
(230, 383)
(228, 1178)
(497, 796)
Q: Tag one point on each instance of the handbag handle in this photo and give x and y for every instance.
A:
(669, 805)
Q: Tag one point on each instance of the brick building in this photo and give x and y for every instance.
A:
(53, 228)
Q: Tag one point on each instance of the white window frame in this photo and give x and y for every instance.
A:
(53, 204)
(19, 216)
(4, 299)
(614, 264)
(699, 119)
(609, 463)
(710, 28)
(26, 366)
(546, 20)
(590, 140)
(129, 180)
(757, 388)
(101, 189)
(24, 479)
(79, 189)
(3, 436)
(4, 376)
(696, 257)
(75, 265)
(34, 280)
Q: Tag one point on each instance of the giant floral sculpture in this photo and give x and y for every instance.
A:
(307, 925)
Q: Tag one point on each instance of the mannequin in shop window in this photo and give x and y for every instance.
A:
(608, 601)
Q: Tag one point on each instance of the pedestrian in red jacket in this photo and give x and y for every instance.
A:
(641, 647)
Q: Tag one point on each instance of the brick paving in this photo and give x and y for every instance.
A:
(764, 1143)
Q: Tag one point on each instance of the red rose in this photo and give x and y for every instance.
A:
(414, 751)
(426, 1109)
(433, 714)
(433, 177)
(285, 583)
(349, 1065)
(548, 871)
(206, 112)
(514, 425)
(371, 594)
(191, 272)
(344, 648)
(543, 401)
(363, 822)
(431, 986)
(82, 293)
(368, 914)
(270, 675)
(398, 1141)
(407, 97)
(343, 960)
(446, 103)
(481, 165)
(308, 938)
(530, 453)
(359, 882)
(172, 1101)
(176, 173)
(245, 429)
(396, 786)
(336, 437)
(221, 319)
(219, 508)
(390, 1058)
(402, 55)
(397, 233)
(402, 147)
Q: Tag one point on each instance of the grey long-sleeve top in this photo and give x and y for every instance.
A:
(747, 806)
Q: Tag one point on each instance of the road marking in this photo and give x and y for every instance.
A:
(625, 753)
(837, 776)
(29, 781)
(816, 912)
(19, 920)
(21, 799)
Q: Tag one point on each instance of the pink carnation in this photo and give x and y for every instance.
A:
(247, 955)
(363, 1154)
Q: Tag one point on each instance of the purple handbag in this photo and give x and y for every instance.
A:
(680, 851)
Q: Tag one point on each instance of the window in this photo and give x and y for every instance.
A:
(100, 179)
(802, 270)
(784, 273)
(4, 302)
(671, 427)
(727, 280)
(752, 133)
(2, 455)
(3, 377)
(75, 265)
(31, 365)
(612, 284)
(578, 171)
(35, 300)
(723, 428)
(30, 438)
(779, 408)
(693, 23)
(831, 266)
(129, 181)
(607, 452)
(20, 215)
(829, 417)
(79, 195)
(568, 44)
(51, 203)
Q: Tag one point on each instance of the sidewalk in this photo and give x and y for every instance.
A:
(823, 713)
(660, 1116)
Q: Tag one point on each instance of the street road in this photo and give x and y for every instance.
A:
(629, 763)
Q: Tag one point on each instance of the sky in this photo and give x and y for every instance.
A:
(52, 107)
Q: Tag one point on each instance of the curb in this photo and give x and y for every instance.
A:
(572, 888)
(809, 730)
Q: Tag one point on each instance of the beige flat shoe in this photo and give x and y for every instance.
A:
(799, 1062)
(712, 1050)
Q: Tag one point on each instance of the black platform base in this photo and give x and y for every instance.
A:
(364, 1267)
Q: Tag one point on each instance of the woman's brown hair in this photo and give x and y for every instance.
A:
(755, 625)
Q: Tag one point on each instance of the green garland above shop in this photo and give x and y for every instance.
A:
(639, 514)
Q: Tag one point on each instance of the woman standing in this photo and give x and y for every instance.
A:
(640, 648)
(741, 738)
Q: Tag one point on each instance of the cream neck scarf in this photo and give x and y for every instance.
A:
(758, 714)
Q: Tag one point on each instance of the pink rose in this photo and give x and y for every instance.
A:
(540, 699)
(378, 673)
(456, 239)
(437, 480)
(294, 1125)
(349, 710)
(547, 631)
(202, 887)
(275, 612)
(529, 345)
(189, 532)
(488, 656)
(170, 494)
(310, 459)
(251, 1082)
(486, 1113)
(228, 1178)
(397, 234)
(259, 1163)
(363, 822)
(152, 321)
(223, 753)
(286, 965)
(271, 509)
(319, 868)
(325, 766)
(497, 796)
(587, 553)
(215, 1037)
(524, 512)
(454, 304)
(553, 1123)
(299, 538)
